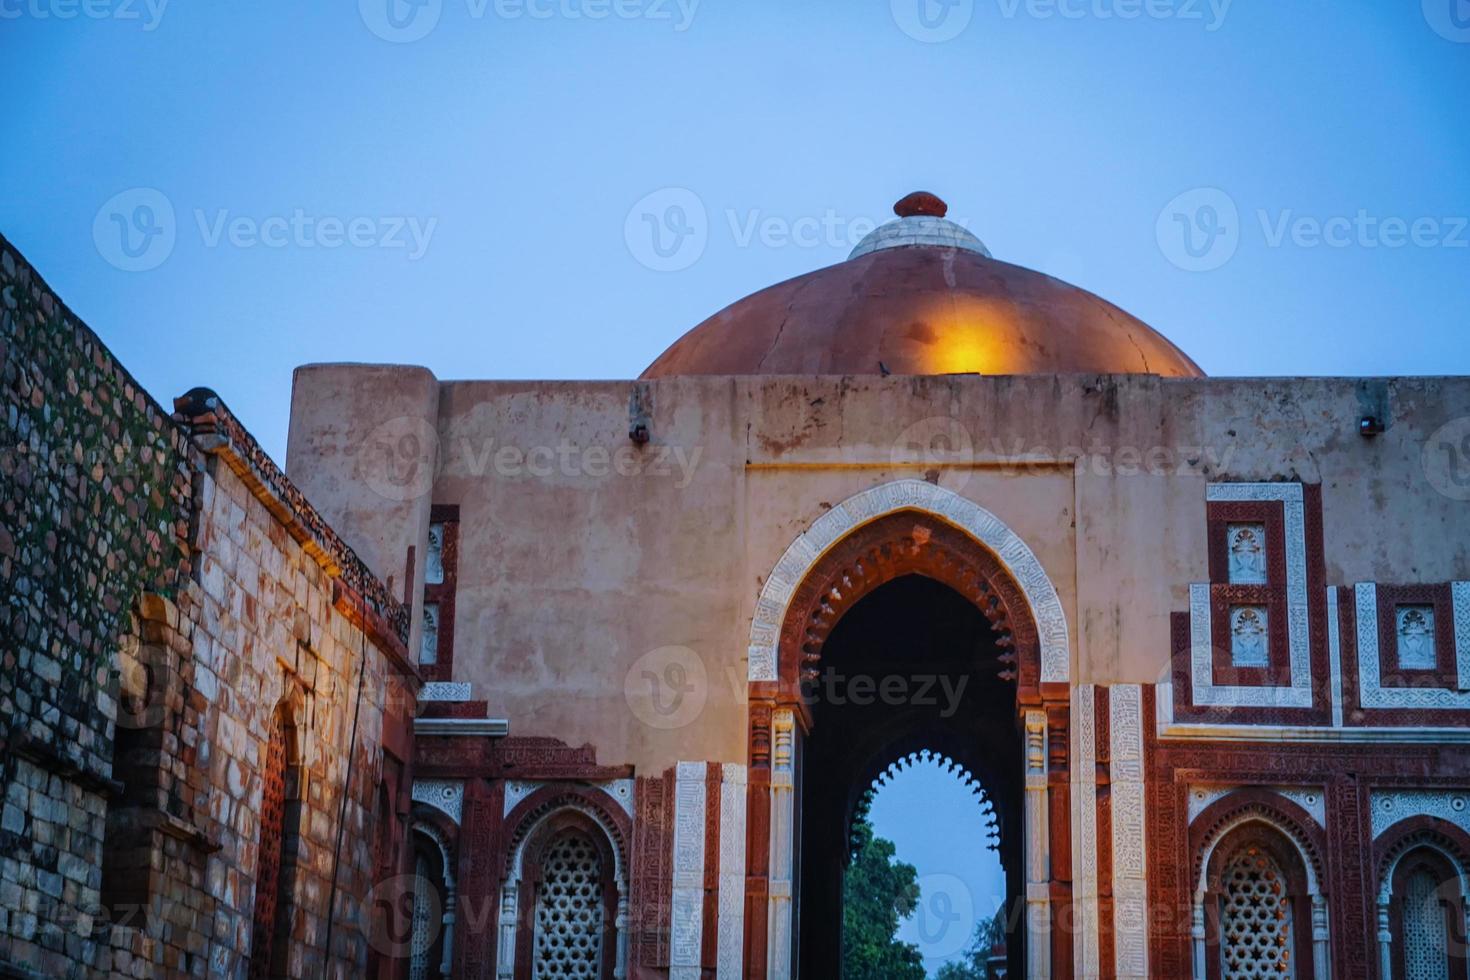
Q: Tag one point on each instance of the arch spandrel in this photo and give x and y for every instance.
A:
(1012, 553)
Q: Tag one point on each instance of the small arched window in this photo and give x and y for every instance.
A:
(1255, 917)
(1260, 908)
(271, 919)
(1427, 918)
(569, 901)
(569, 913)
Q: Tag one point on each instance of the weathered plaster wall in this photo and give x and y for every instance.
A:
(573, 565)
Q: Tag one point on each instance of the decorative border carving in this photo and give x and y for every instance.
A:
(620, 790)
(687, 916)
(802, 556)
(1311, 799)
(1298, 692)
(731, 896)
(444, 795)
(525, 757)
(442, 594)
(549, 799)
(1348, 771)
(653, 870)
(1129, 850)
(1460, 601)
(1192, 704)
(445, 691)
(1390, 807)
(1085, 830)
(1372, 692)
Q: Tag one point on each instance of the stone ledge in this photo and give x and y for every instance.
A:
(47, 757)
(484, 727)
(216, 431)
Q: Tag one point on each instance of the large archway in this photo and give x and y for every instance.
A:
(912, 667)
(930, 553)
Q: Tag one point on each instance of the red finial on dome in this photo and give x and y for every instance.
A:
(921, 202)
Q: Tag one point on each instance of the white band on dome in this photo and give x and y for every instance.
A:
(920, 229)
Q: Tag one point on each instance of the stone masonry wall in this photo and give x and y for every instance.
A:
(165, 590)
(262, 624)
(95, 503)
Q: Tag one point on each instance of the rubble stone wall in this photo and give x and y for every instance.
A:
(165, 592)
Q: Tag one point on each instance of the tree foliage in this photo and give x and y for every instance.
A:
(878, 893)
(988, 934)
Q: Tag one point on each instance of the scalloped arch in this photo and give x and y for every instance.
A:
(890, 498)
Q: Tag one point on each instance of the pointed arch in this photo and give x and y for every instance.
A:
(1011, 554)
(598, 830)
(278, 817)
(906, 527)
(1283, 837)
(1430, 846)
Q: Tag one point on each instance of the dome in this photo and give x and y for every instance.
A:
(922, 295)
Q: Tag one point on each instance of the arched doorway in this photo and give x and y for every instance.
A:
(912, 667)
(945, 557)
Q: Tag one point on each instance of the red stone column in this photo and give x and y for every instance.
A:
(758, 839)
(477, 909)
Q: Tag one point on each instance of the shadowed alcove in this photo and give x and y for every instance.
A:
(913, 666)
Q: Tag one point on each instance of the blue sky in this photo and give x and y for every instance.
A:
(1279, 186)
(1060, 130)
(960, 880)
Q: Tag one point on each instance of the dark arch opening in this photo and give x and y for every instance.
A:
(912, 666)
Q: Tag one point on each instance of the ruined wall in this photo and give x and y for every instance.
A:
(262, 625)
(95, 504)
(166, 592)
